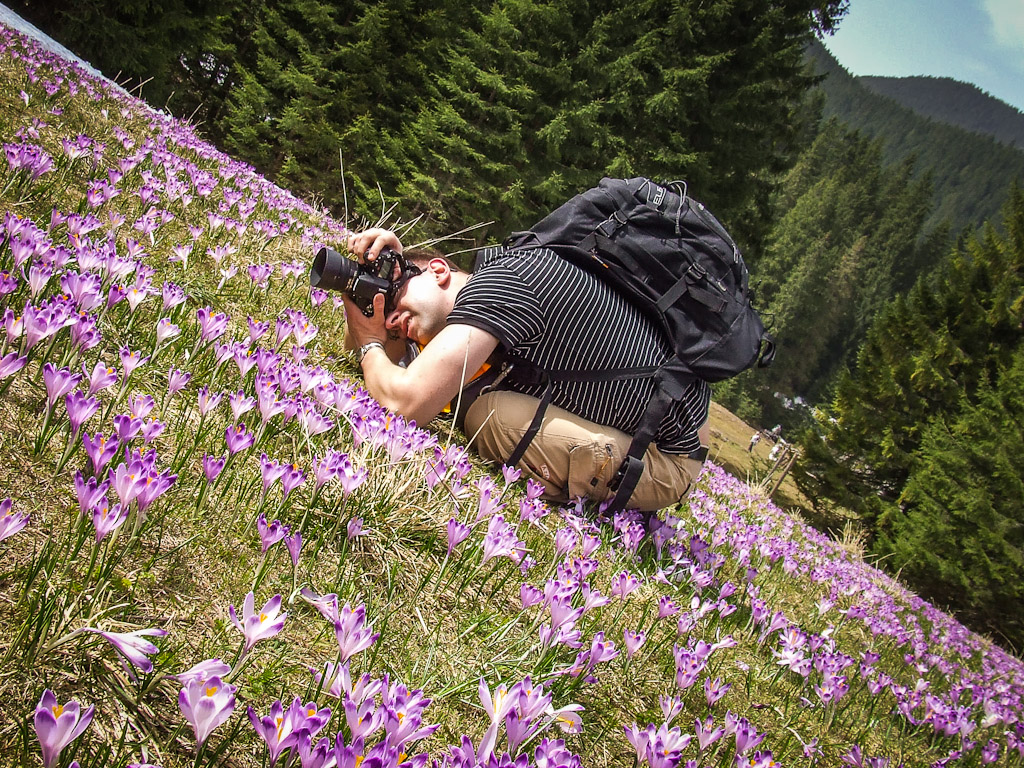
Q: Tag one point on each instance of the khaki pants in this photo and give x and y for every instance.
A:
(571, 456)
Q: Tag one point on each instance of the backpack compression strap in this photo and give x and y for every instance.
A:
(671, 380)
(524, 372)
(670, 386)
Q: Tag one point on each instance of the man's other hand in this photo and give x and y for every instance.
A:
(362, 329)
(370, 242)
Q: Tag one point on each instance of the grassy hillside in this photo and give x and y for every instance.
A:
(216, 549)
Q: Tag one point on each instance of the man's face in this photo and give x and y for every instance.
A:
(420, 306)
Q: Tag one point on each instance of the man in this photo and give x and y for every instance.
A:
(535, 306)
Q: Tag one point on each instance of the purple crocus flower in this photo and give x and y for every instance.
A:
(351, 477)
(10, 522)
(212, 325)
(58, 383)
(282, 729)
(634, 641)
(153, 486)
(206, 704)
(152, 429)
(127, 427)
(457, 533)
(352, 633)
(292, 478)
(203, 671)
(623, 584)
(238, 438)
(282, 330)
(11, 363)
(130, 360)
(497, 705)
(258, 626)
(177, 380)
(89, 492)
(501, 541)
(270, 533)
(207, 400)
(101, 377)
(354, 528)
(271, 470)
(257, 329)
(80, 409)
(319, 755)
(116, 295)
(666, 607)
(747, 737)
(133, 645)
(106, 519)
(166, 330)
(565, 541)
(706, 733)
(294, 546)
(212, 466)
(57, 725)
(241, 403)
(127, 481)
(8, 283)
(272, 730)
(529, 595)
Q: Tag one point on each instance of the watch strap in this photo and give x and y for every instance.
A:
(361, 353)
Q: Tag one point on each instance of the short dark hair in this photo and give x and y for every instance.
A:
(421, 256)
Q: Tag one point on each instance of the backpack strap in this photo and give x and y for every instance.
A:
(670, 386)
(525, 372)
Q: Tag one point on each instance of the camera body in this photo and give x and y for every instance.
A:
(360, 281)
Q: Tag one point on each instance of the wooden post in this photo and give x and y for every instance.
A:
(792, 456)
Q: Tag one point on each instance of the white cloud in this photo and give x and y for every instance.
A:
(1007, 17)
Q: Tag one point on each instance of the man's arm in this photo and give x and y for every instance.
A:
(434, 378)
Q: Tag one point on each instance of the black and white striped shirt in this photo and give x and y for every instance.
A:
(544, 309)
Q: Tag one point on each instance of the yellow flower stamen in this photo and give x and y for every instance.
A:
(58, 710)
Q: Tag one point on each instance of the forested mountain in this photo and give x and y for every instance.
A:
(953, 102)
(468, 111)
(923, 437)
(970, 173)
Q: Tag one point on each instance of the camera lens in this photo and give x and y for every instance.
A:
(331, 271)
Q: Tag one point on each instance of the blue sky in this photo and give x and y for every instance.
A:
(976, 41)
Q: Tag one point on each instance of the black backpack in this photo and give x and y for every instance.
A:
(671, 258)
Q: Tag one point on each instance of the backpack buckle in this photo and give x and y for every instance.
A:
(611, 225)
(631, 465)
(506, 369)
(696, 271)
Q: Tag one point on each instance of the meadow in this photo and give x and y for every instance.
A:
(217, 549)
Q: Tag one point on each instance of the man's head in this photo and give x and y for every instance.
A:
(424, 300)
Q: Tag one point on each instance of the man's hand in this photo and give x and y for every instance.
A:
(361, 329)
(370, 242)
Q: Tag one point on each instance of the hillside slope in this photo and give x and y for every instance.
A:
(971, 173)
(950, 101)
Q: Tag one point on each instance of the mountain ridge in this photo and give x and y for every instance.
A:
(955, 102)
(971, 172)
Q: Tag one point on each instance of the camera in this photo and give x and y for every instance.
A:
(361, 282)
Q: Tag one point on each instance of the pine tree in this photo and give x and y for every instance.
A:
(927, 356)
(959, 534)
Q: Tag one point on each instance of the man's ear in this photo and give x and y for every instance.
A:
(440, 270)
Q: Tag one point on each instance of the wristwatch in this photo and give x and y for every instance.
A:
(361, 352)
